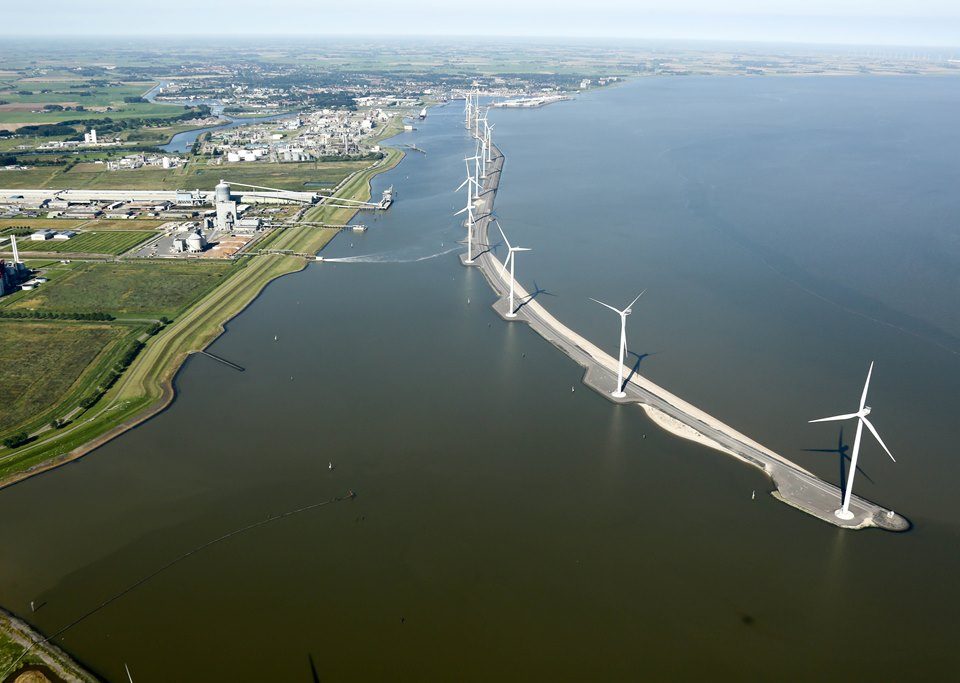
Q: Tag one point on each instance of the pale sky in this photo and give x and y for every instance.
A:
(876, 22)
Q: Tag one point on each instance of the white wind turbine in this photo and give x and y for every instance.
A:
(512, 260)
(618, 392)
(467, 109)
(470, 183)
(861, 415)
(488, 142)
(476, 120)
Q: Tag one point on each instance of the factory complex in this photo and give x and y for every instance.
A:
(302, 137)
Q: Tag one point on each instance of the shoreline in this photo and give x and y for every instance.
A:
(161, 395)
(54, 659)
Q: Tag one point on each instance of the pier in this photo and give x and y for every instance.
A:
(226, 362)
(794, 485)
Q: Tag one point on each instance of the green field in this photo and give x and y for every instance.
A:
(41, 361)
(108, 242)
(137, 290)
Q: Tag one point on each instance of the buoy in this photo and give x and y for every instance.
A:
(572, 390)
(468, 300)
(274, 337)
(330, 466)
(753, 495)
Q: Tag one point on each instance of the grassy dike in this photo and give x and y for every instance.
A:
(146, 387)
(16, 637)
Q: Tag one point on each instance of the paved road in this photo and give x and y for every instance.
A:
(794, 485)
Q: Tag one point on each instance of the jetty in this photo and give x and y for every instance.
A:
(794, 485)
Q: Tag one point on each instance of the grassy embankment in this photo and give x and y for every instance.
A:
(16, 636)
(147, 382)
(146, 386)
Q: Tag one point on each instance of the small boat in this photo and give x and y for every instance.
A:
(359, 228)
(423, 113)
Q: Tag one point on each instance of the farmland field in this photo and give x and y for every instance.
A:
(138, 290)
(108, 242)
(40, 361)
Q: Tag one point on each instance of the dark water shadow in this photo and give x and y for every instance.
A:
(843, 457)
(635, 368)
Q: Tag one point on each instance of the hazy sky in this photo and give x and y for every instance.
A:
(900, 22)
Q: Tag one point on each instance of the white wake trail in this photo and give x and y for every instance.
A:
(388, 257)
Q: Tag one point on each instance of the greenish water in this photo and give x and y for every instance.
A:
(788, 232)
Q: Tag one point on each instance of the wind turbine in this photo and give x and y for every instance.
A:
(488, 141)
(861, 415)
(476, 120)
(619, 392)
(512, 260)
(470, 182)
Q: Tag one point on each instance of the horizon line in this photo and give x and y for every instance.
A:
(480, 37)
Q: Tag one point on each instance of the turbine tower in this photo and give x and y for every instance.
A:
(861, 415)
(512, 260)
(618, 392)
(489, 142)
(470, 182)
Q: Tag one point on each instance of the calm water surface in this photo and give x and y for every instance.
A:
(788, 232)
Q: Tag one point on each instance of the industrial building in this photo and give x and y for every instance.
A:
(13, 273)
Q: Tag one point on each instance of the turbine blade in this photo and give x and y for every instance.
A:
(866, 385)
(634, 301)
(877, 437)
(504, 237)
(603, 304)
(461, 210)
(522, 249)
(836, 418)
(463, 183)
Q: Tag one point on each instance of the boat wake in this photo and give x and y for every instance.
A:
(389, 257)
